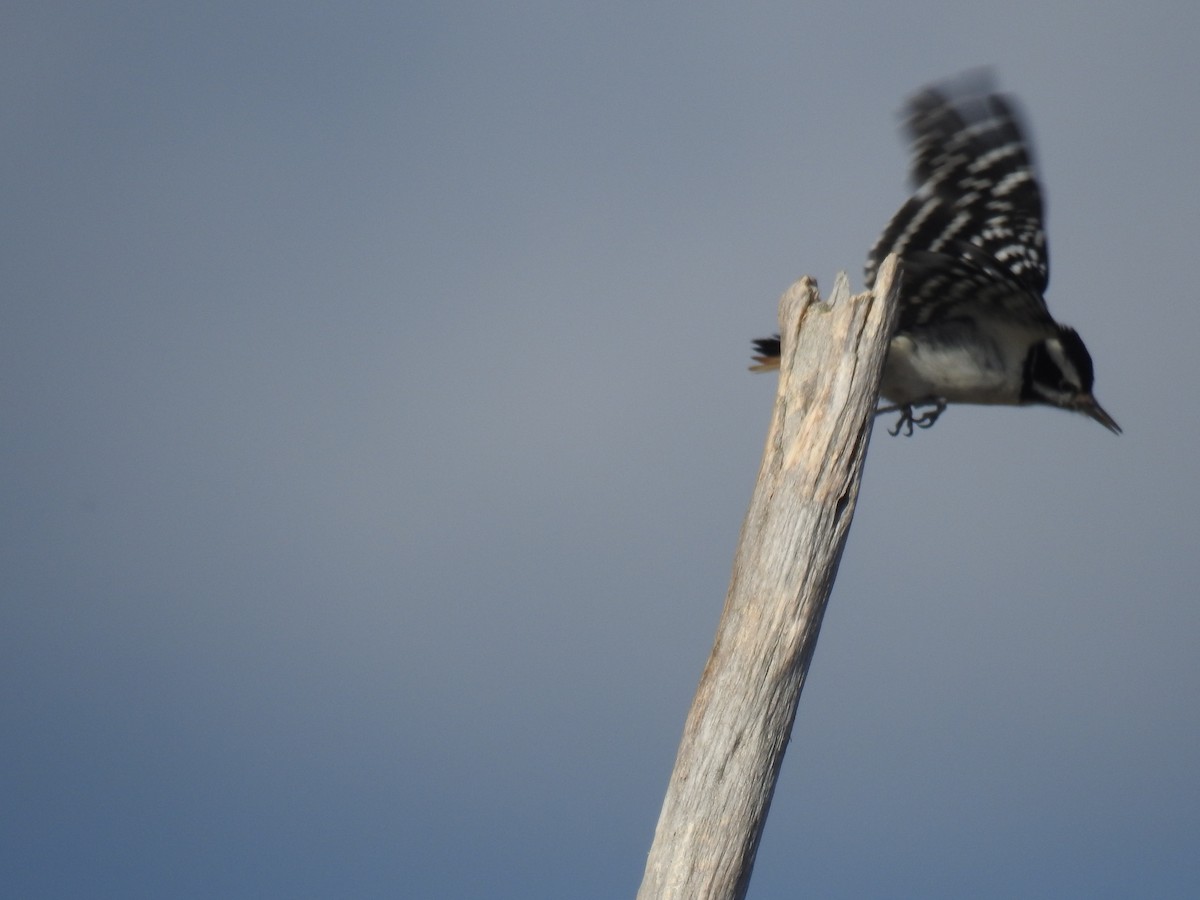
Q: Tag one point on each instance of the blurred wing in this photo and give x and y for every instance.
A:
(960, 282)
(976, 213)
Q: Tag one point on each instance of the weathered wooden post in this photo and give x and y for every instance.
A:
(787, 557)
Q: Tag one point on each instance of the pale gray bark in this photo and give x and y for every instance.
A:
(787, 557)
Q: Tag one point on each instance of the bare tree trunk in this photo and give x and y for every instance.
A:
(787, 557)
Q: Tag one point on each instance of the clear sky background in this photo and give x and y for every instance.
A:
(376, 431)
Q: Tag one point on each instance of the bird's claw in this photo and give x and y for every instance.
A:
(908, 418)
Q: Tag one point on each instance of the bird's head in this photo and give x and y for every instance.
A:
(1058, 372)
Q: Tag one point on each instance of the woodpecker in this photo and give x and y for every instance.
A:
(973, 324)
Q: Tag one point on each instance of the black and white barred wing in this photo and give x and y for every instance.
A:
(963, 282)
(973, 229)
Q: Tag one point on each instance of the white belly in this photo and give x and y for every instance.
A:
(955, 372)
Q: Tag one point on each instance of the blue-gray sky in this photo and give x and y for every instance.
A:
(377, 432)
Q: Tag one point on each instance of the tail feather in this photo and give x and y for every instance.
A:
(768, 354)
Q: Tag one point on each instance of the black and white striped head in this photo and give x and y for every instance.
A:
(1058, 372)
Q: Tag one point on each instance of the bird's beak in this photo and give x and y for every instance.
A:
(1089, 407)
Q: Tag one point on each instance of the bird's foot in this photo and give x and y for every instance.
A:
(909, 418)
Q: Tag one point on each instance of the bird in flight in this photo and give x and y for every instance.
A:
(973, 324)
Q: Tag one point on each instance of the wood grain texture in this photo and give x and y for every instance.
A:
(786, 561)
